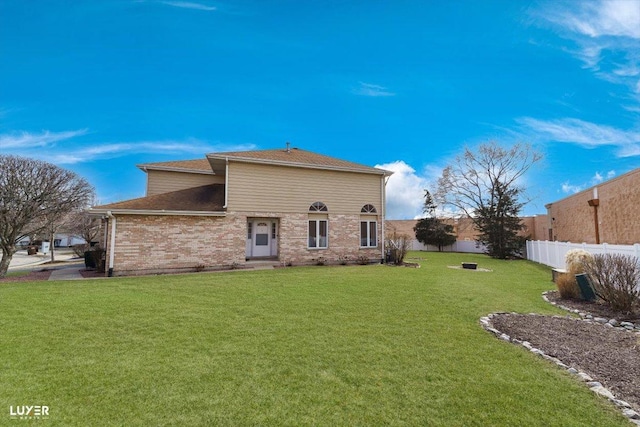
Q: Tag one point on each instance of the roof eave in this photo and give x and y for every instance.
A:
(371, 171)
(155, 212)
(144, 168)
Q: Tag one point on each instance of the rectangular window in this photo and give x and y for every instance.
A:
(262, 239)
(368, 234)
(273, 230)
(249, 230)
(318, 233)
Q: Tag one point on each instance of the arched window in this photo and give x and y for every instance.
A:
(318, 226)
(318, 207)
(368, 227)
(368, 209)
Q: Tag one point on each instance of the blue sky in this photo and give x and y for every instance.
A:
(100, 86)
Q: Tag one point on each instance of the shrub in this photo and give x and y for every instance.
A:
(616, 280)
(567, 286)
(575, 259)
(79, 250)
(397, 247)
(363, 260)
(343, 259)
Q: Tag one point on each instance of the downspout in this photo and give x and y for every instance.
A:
(383, 185)
(112, 242)
(226, 182)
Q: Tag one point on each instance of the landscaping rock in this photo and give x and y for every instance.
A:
(603, 392)
(630, 413)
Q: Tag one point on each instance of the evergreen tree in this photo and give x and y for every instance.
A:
(432, 230)
(498, 223)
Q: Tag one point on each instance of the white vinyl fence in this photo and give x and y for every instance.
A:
(468, 246)
(552, 253)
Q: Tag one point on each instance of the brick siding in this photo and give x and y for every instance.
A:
(147, 244)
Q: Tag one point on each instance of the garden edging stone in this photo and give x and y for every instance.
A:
(584, 377)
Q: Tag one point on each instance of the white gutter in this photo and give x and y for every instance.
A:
(226, 182)
(382, 193)
(146, 168)
(112, 243)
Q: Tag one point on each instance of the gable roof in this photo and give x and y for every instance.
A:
(205, 200)
(193, 166)
(295, 157)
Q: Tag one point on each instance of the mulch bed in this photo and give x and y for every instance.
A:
(597, 309)
(31, 277)
(609, 355)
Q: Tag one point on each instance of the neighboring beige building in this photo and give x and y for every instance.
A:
(287, 206)
(606, 213)
(535, 228)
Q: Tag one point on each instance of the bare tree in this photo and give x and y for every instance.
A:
(32, 194)
(484, 185)
(85, 226)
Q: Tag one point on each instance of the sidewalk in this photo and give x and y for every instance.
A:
(21, 260)
(24, 262)
(67, 272)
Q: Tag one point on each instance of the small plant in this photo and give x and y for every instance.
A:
(398, 245)
(235, 265)
(575, 260)
(343, 259)
(199, 267)
(616, 280)
(321, 261)
(80, 249)
(287, 263)
(363, 260)
(567, 286)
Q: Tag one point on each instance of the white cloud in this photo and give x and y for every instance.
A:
(189, 5)
(606, 34)
(604, 18)
(597, 178)
(584, 133)
(66, 152)
(368, 89)
(42, 139)
(405, 191)
(569, 188)
(192, 146)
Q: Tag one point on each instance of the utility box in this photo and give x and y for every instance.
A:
(586, 289)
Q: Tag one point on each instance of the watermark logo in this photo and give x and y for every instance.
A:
(28, 412)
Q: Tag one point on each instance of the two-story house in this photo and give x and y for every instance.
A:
(286, 206)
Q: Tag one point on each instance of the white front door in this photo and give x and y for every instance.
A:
(261, 245)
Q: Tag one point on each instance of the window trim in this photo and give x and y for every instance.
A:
(317, 222)
(369, 222)
(318, 207)
(368, 209)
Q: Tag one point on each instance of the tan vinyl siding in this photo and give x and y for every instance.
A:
(289, 189)
(159, 182)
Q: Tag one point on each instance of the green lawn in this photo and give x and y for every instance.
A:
(355, 345)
